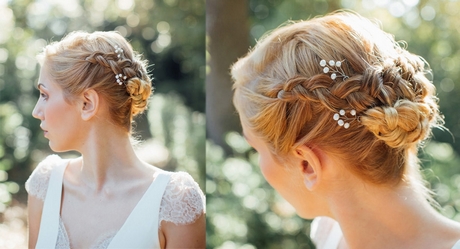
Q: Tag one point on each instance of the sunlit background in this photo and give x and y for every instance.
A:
(169, 33)
(257, 217)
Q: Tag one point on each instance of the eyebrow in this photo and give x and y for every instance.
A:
(41, 85)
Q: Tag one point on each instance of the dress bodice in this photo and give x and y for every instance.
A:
(181, 203)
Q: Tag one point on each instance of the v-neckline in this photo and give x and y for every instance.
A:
(99, 239)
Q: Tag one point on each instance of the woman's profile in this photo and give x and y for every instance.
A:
(337, 111)
(91, 86)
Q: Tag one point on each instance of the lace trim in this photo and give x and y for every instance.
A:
(183, 201)
(63, 239)
(104, 241)
(37, 184)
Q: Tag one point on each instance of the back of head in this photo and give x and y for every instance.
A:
(372, 108)
(105, 62)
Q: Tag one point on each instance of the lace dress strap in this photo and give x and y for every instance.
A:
(49, 224)
(183, 201)
(140, 230)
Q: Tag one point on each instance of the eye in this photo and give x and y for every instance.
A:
(43, 95)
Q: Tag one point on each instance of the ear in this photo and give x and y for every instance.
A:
(90, 104)
(310, 165)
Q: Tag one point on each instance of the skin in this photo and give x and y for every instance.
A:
(370, 216)
(108, 180)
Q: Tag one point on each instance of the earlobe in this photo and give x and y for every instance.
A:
(311, 167)
(90, 104)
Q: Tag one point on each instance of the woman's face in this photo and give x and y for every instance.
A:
(59, 119)
(287, 180)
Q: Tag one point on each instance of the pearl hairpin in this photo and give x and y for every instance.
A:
(118, 51)
(343, 120)
(119, 77)
(333, 67)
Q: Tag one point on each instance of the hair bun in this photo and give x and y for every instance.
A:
(405, 123)
(140, 91)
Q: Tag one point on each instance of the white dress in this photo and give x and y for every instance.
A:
(326, 233)
(173, 197)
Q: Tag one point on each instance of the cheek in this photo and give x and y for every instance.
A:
(61, 121)
(274, 173)
(289, 184)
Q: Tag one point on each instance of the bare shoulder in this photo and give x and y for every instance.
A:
(151, 169)
(191, 235)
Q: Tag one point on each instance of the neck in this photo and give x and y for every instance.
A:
(388, 217)
(107, 158)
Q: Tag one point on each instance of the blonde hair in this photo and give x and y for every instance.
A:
(82, 61)
(283, 96)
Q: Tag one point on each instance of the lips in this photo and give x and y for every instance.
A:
(45, 132)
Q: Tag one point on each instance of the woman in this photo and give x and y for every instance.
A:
(91, 86)
(337, 110)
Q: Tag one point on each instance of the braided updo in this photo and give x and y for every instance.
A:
(283, 95)
(83, 61)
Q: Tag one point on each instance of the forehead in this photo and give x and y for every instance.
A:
(46, 81)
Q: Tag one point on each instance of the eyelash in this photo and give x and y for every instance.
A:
(43, 95)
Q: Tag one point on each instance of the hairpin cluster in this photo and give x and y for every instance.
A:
(333, 67)
(119, 77)
(343, 119)
(118, 51)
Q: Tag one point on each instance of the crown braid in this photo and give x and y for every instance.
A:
(283, 95)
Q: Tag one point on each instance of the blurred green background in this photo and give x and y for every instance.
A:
(169, 33)
(243, 210)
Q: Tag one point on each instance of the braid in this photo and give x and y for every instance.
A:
(137, 85)
(388, 98)
(285, 95)
(112, 62)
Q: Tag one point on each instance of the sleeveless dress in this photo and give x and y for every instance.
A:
(173, 197)
(326, 233)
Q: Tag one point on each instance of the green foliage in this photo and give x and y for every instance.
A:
(440, 162)
(11, 133)
(182, 131)
(243, 211)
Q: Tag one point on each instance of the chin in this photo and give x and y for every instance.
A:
(309, 213)
(307, 216)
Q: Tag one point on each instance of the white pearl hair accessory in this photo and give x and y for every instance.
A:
(119, 77)
(343, 120)
(333, 67)
(118, 51)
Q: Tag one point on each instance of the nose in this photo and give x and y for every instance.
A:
(37, 112)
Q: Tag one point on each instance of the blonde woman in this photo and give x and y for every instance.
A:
(337, 110)
(91, 86)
